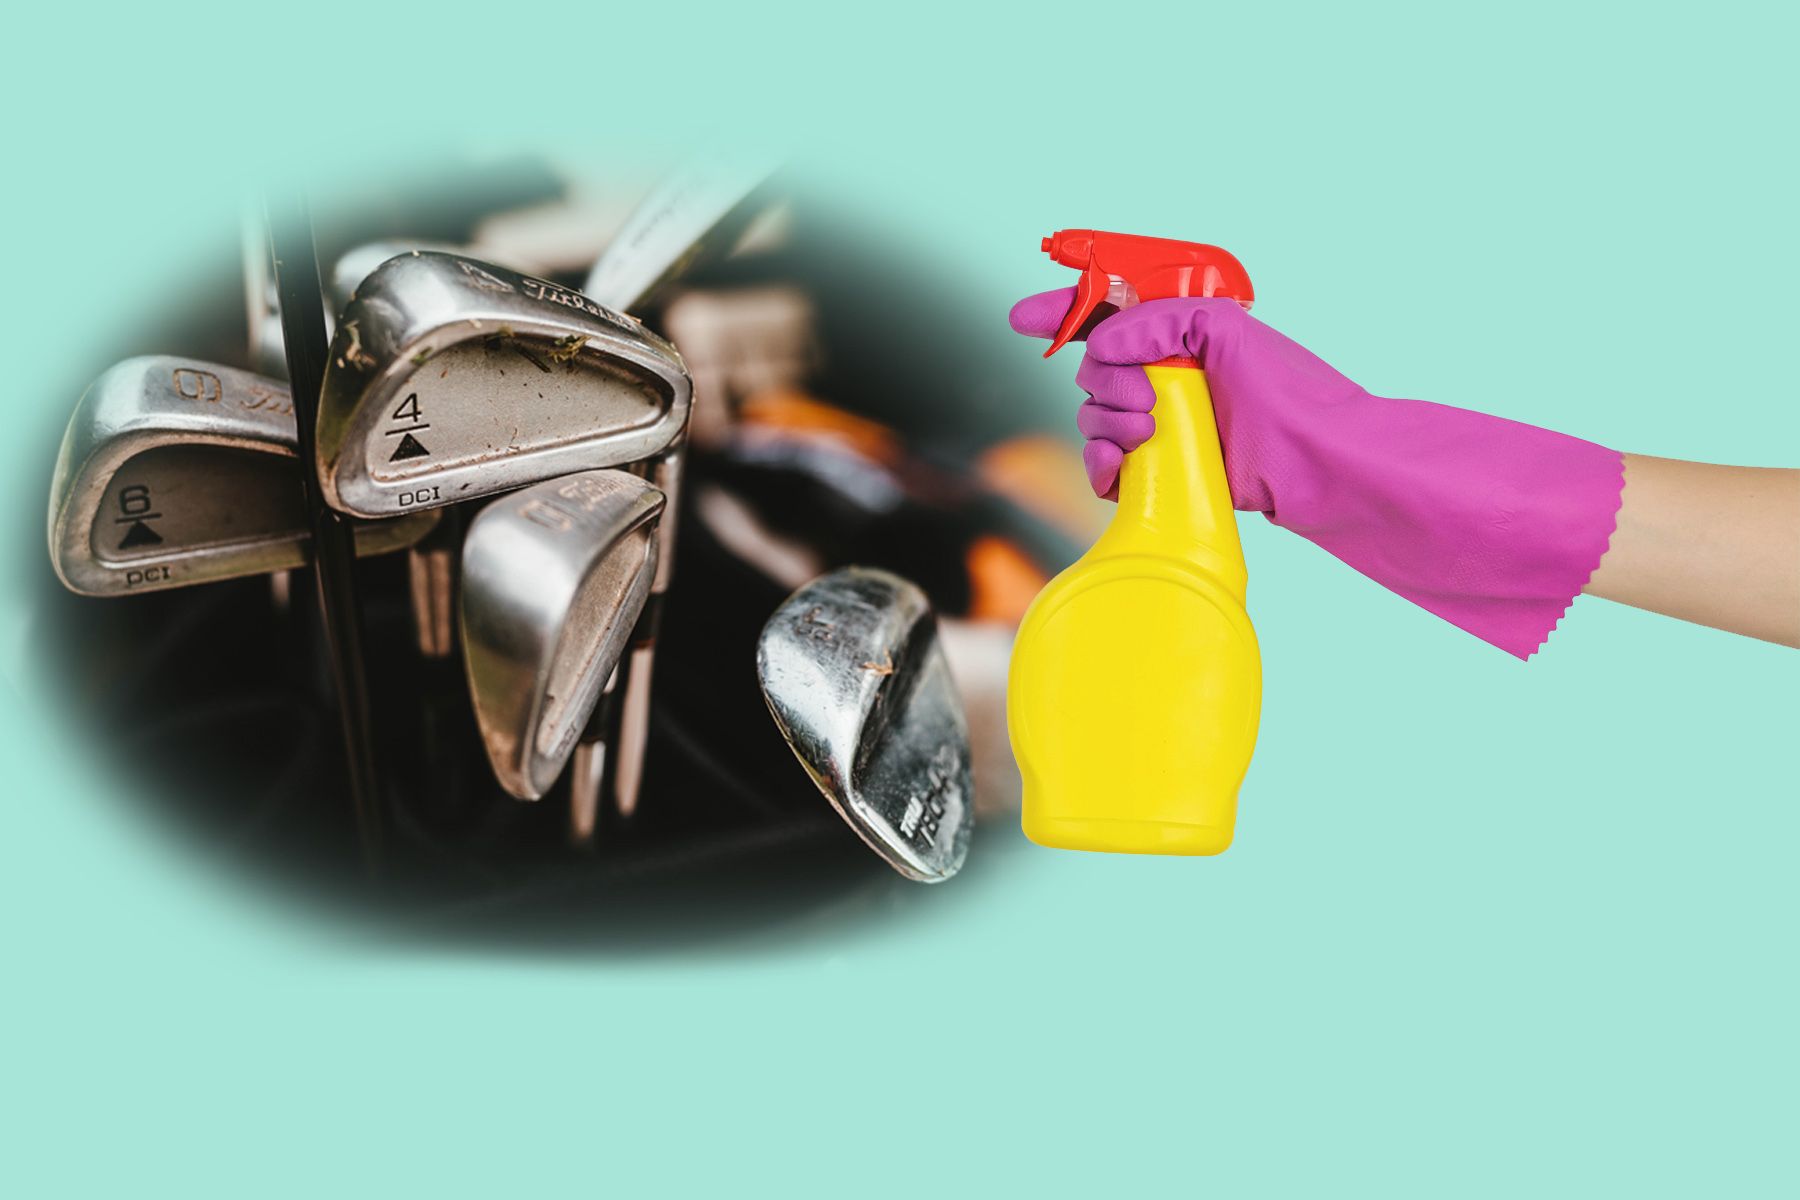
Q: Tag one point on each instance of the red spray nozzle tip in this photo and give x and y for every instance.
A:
(1153, 268)
(1045, 246)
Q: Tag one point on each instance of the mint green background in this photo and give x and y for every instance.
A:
(1488, 929)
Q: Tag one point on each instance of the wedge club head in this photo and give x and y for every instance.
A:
(175, 472)
(554, 577)
(452, 379)
(855, 678)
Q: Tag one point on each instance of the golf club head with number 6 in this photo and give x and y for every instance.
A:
(554, 578)
(452, 379)
(854, 676)
(176, 472)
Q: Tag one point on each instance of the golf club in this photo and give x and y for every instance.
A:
(451, 379)
(175, 472)
(554, 578)
(855, 678)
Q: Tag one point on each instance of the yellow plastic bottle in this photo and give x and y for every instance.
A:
(1136, 682)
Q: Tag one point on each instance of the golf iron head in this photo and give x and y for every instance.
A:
(854, 676)
(451, 379)
(554, 578)
(175, 472)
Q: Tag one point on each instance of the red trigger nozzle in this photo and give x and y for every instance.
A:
(1089, 293)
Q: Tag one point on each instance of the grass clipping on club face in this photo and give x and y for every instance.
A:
(565, 350)
(354, 354)
(562, 352)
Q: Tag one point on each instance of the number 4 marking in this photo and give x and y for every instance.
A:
(410, 446)
(408, 411)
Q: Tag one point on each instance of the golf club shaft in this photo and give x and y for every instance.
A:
(634, 708)
(303, 333)
(587, 769)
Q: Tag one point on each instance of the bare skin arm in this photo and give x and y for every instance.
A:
(1715, 545)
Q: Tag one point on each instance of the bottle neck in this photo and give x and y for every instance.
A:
(1174, 498)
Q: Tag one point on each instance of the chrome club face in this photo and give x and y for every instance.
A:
(176, 472)
(554, 578)
(451, 379)
(853, 674)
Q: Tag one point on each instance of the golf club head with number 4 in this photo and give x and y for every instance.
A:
(854, 676)
(554, 578)
(452, 379)
(176, 472)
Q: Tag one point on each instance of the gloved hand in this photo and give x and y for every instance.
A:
(1493, 525)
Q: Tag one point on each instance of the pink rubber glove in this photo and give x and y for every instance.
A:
(1492, 525)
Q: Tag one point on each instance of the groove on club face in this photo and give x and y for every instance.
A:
(554, 578)
(175, 472)
(452, 379)
(853, 674)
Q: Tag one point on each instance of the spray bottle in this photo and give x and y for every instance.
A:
(1136, 682)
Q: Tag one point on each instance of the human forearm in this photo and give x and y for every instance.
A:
(1715, 545)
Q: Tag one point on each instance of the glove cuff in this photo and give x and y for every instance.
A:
(1493, 525)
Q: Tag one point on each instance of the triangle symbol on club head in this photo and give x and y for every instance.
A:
(140, 534)
(409, 447)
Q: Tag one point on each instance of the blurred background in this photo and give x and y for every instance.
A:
(1487, 927)
(818, 439)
